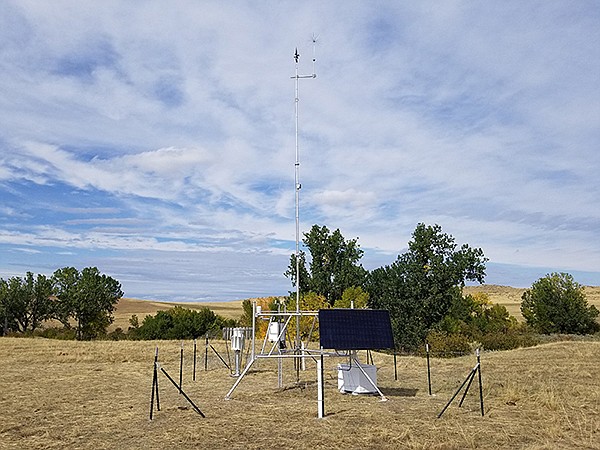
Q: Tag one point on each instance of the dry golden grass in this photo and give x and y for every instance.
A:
(66, 394)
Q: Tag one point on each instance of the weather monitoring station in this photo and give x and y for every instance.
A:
(342, 332)
(307, 337)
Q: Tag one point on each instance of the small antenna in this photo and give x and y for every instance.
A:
(314, 41)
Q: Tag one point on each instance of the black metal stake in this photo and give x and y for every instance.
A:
(480, 383)
(156, 383)
(428, 369)
(206, 354)
(469, 380)
(395, 367)
(470, 376)
(154, 386)
(220, 357)
(194, 371)
(227, 341)
(181, 368)
(152, 395)
(183, 393)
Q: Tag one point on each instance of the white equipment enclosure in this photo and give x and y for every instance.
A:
(353, 380)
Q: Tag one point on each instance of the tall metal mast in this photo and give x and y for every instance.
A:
(298, 186)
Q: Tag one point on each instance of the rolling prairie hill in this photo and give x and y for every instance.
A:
(510, 297)
(141, 308)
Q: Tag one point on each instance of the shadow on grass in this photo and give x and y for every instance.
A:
(399, 392)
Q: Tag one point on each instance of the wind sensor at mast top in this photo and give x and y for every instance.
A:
(314, 60)
(297, 184)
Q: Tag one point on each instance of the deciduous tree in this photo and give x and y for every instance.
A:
(87, 297)
(419, 287)
(354, 296)
(334, 264)
(556, 303)
(25, 302)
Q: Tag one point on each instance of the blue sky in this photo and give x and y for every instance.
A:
(155, 140)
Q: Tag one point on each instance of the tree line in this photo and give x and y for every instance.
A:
(423, 291)
(83, 303)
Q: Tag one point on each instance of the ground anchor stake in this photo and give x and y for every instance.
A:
(194, 370)
(428, 369)
(183, 393)
(154, 386)
(468, 381)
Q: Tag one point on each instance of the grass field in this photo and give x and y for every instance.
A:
(66, 394)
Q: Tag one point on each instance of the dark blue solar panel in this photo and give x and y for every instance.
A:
(355, 329)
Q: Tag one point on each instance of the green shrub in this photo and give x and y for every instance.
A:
(507, 340)
(117, 335)
(444, 344)
(448, 345)
(179, 323)
(475, 315)
(62, 333)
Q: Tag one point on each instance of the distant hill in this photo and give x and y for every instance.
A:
(141, 308)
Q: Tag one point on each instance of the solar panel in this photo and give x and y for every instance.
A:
(355, 329)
